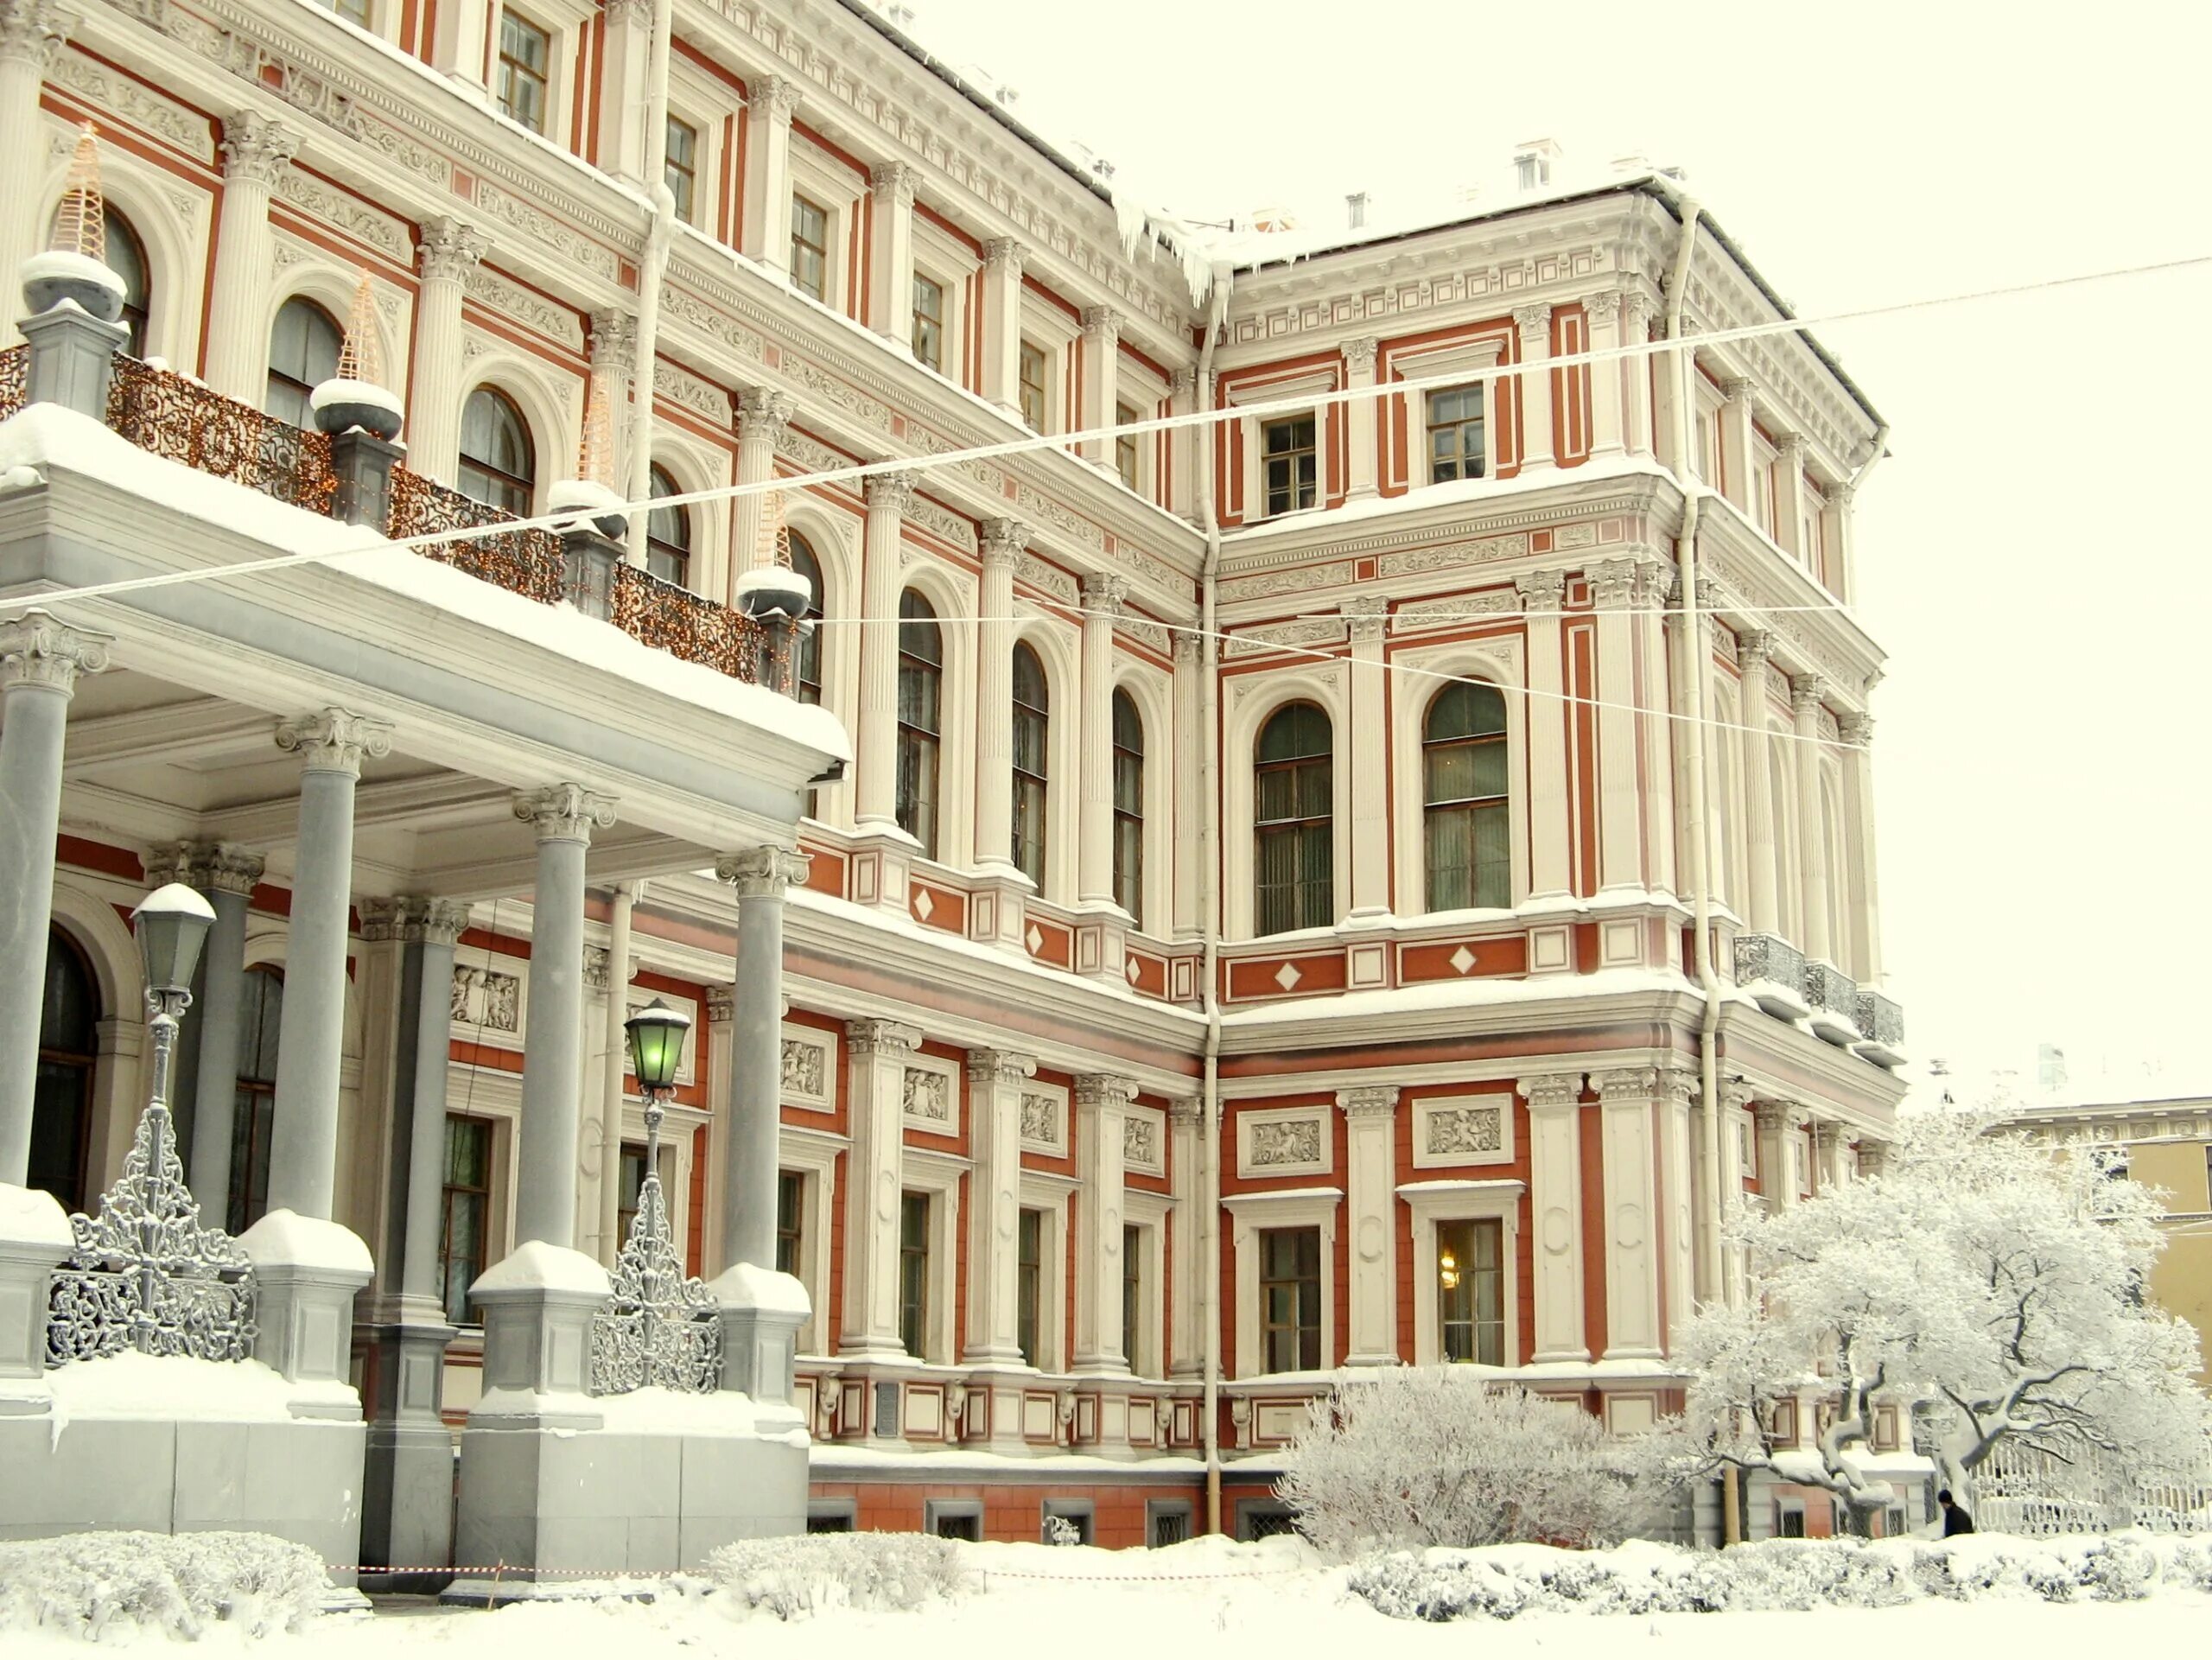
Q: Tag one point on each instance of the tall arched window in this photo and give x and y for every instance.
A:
(1469, 829)
(261, 1013)
(126, 257)
(68, 1052)
(1294, 837)
(1128, 805)
(498, 465)
(667, 535)
(809, 643)
(1033, 725)
(921, 718)
(303, 353)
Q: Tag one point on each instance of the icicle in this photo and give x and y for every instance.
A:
(80, 224)
(361, 358)
(596, 463)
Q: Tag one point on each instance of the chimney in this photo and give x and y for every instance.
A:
(1356, 210)
(1532, 161)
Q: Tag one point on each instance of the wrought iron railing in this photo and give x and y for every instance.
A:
(162, 411)
(15, 378)
(522, 562)
(676, 620)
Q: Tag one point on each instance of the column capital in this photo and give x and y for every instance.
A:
(1618, 1082)
(1001, 251)
(1856, 728)
(421, 920)
(1368, 1101)
(762, 873)
(1365, 616)
(1806, 691)
(1753, 647)
(1604, 306)
(1189, 647)
(256, 149)
(379, 918)
(628, 14)
(1360, 354)
(1652, 583)
(891, 1040)
(39, 649)
(722, 1005)
(766, 408)
(1533, 321)
(596, 972)
(1678, 1084)
(1102, 322)
(1789, 447)
(613, 342)
(564, 812)
(1736, 1097)
(1738, 389)
(33, 30)
(1636, 316)
(892, 492)
(1105, 1090)
(1000, 1065)
(1103, 596)
(1773, 1116)
(1552, 1092)
(1612, 583)
(335, 740)
(448, 250)
(892, 182)
(1186, 1113)
(1540, 591)
(775, 96)
(1004, 539)
(1873, 1156)
(211, 867)
(1182, 382)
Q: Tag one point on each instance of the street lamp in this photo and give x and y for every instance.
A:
(656, 1033)
(172, 924)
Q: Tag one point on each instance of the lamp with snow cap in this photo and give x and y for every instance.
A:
(656, 1033)
(172, 924)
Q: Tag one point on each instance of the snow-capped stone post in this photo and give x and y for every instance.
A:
(74, 300)
(591, 545)
(362, 416)
(34, 1240)
(775, 596)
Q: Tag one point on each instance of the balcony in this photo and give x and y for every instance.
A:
(1833, 997)
(1772, 971)
(1881, 1027)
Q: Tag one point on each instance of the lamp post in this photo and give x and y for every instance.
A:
(172, 924)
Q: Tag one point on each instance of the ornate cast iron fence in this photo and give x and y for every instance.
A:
(165, 413)
(659, 1329)
(676, 620)
(15, 378)
(522, 562)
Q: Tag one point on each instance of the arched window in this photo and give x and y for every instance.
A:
(1294, 841)
(1128, 805)
(261, 1013)
(809, 643)
(921, 718)
(1469, 840)
(126, 257)
(302, 355)
(667, 535)
(1033, 725)
(68, 1050)
(498, 466)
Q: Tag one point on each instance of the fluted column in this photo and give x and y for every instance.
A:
(40, 659)
(995, 1077)
(875, 1101)
(1805, 693)
(762, 876)
(1858, 733)
(1534, 382)
(770, 101)
(1607, 378)
(891, 244)
(1555, 1209)
(428, 930)
(1102, 602)
(1189, 694)
(1101, 1105)
(1551, 861)
(875, 787)
(1614, 584)
(1370, 1191)
(255, 152)
(763, 418)
(1102, 358)
(552, 1051)
(1187, 1304)
(32, 33)
(1752, 650)
(1002, 260)
(1003, 540)
(1736, 441)
(303, 1139)
(1365, 616)
(225, 877)
(1361, 420)
(446, 251)
(614, 366)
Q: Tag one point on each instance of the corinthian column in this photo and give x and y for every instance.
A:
(448, 252)
(31, 36)
(875, 786)
(1102, 355)
(1805, 694)
(1752, 647)
(891, 276)
(763, 418)
(256, 151)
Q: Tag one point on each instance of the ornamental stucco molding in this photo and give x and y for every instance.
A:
(564, 812)
(884, 1040)
(211, 867)
(762, 872)
(1001, 1067)
(39, 649)
(450, 249)
(890, 493)
(256, 149)
(335, 740)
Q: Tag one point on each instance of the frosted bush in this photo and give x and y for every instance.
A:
(99, 1585)
(797, 1578)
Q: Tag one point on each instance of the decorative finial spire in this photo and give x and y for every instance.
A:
(361, 358)
(80, 224)
(595, 465)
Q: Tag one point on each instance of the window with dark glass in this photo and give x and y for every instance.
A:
(261, 1016)
(1455, 434)
(668, 533)
(809, 640)
(790, 1189)
(1471, 1291)
(809, 248)
(1032, 374)
(1125, 444)
(303, 348)
(126, 257)
(464, 1230)
(1467, 827)
(928, 321)
(1031, 736)
(680, 165)
(914, 1273)
(1290, 1299)
(525, 63)
(921, 713)
(1294, 831)
(1029, 1283)
(1132, 1293)
(1129, 806)
(632, 1183)
(498, 465)
(1286, 461)
(69, 1054)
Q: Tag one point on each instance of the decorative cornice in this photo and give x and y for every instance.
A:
(891, 1040)
(256, 149)
(564, 812)
(1552, 1092)
(888, 492)
(39, 649)
(1001, 1067)
(336, 741)
(762, 873)
(447, 250)
(1369, 1101)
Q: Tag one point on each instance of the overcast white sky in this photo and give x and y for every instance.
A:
(2043, 592)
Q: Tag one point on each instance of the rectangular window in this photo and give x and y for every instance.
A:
(1132, 1293)
(1066, 1521)
(1290, 1299)
(929, 322)
(525, 62)
(914, 1273)
(1287, 461)
(1032, 385)
(462, 1241)
(1790, 1523)
(354, 11)
(681, 168)
(835, 1521)
(789, 1190)
(1029, 1284)
(810, 249)
(1471, 1291)
(967, 1525)
(1455, 434)
(633, 1184)
(1171, 1525)
(1125, 444)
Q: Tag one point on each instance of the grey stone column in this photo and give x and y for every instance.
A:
(40, 657)
(226, 875)
(761, 876)
(304, 1141)
(552, 1046)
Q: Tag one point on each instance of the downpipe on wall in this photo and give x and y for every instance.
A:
(1210, 903)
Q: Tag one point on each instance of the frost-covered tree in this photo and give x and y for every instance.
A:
(1410, 1457)
(1989, 1288)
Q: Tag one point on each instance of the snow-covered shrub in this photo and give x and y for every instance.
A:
(1059, 1530)
(794, 1578)
(92, 1585)
(2187, 1564)
(1414, 1457)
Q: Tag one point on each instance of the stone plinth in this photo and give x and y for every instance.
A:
(34, 1239)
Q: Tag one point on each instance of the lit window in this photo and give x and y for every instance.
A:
(1287, 458)
(303, 350)
(1294, 834)
(1032, 705)
(681, 166)
(668, 534)
(1471, 1291)
(1129, 806)
(810, 249)
(1455, 434)
(526, 57)
(1032, 385)
(1125, 445)
(914, 1273)
(1464, 783)
(921, 709)
(929, 322)
(1290, 1299)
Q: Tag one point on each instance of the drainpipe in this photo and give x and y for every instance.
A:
(660, 230)
(1209, 902)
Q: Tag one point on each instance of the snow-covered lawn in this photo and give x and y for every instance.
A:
(1270, 1599)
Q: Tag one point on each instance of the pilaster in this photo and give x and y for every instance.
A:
(1361, 420)
(1102, 353)
(878, 1051)
(890, 278)
(1614, 585)
(1752, 647)
(1370, 1160)
(1608, 377)
(1857, 731)
(1189, 1305)
(1555, 1207)
(446, 251)
(1533, 324)
(1101, 1105)
(1806, 691)
(995, 1077)
(1366, 616)
(1543, 594)
(770, 103)
(1626, 1098)
(1002, 262)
